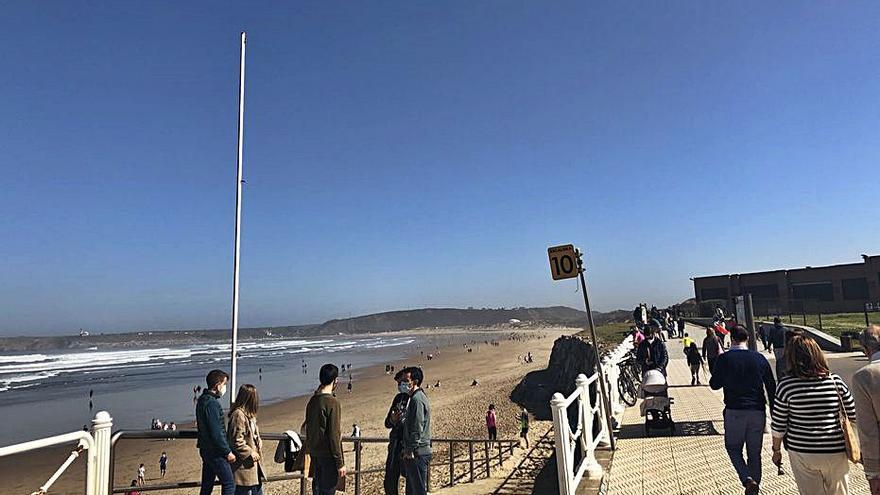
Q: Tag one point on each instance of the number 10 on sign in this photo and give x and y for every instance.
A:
(563, 262)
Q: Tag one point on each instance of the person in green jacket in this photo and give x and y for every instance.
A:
(416, 435)
(324, 435)
(214, 450)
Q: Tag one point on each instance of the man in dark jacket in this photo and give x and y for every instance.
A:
(214, 450)
(416, 435)
(749, 387)
(777, 340)
(652, 353)
(394, 422)
(324, 434)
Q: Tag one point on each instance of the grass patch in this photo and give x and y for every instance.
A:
(835, 324)
(609, 334)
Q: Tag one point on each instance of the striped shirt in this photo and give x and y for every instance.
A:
(806, 414)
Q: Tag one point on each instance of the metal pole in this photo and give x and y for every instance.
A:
(867, 321)
(237, 251)
(608, 418)
(750, 321)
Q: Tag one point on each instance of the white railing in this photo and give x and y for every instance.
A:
(568, 474)
(95, 446)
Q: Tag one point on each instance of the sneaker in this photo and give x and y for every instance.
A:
(751, 487)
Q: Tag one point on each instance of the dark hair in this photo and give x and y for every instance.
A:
(215, 377)
(777, 321)
(247, 399)
(134, 483)
(329, 372)
(693, 346)
(415, 374)
(739, 333)
(399, 375)
(491, 406)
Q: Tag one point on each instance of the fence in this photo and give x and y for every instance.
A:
(477, 456)
(586, 438)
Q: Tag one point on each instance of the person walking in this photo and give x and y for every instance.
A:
(866, 392)
(748, 384)
(652, 353)
(142, 475)
(394, 423)
(524, 426)
(763, 334)
(244, 438)
(417, 435)
(324, 434)
(163, 464)
(213, 446)
(806, 416)
(777, 340)
(681, 326)
(491, 422)
(711, 349)
(695, 361)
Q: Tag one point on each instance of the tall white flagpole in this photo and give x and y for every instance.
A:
(233, 385)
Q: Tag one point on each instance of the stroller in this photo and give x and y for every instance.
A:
(656, 404)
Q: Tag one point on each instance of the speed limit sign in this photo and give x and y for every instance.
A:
(563, 262)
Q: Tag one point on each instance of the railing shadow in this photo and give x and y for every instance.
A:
(682, 429)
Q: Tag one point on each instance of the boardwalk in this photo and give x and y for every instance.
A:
(693, 461)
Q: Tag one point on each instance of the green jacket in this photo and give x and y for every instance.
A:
(417, 427)
(211, 426)
(323, 431)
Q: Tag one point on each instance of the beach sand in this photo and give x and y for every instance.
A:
(458, 412)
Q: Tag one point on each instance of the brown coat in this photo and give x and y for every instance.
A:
(246, 444)
(866, 392)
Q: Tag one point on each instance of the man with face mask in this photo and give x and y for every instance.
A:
(324, 434)
(394, 422)
(213, 447)
(651, 353)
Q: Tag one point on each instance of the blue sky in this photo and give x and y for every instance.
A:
(410, 154)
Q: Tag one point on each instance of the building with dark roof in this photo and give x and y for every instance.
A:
(830, 289)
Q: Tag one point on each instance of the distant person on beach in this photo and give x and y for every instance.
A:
(213, 446)
(491, 422)
(324, 434)
(394, 422)
(349, 385)
(163, 463)
(524, 426)
(417, 435)
(142, 475)
(244, 437)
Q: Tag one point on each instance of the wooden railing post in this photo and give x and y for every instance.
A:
(471, 458)
(357, 467)
(486, 448)
(500, 459)
(451, 463)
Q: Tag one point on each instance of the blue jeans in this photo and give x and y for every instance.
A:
(249, 490)
(326, 476)
(744, 427)
(416, 472)
(214, 467)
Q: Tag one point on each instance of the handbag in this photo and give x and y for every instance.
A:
(850, 437)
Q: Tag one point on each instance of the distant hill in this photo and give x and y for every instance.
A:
(390, 321)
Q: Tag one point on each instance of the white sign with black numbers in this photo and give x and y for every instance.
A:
(563, 262)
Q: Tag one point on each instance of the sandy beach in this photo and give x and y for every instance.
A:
(458, 410)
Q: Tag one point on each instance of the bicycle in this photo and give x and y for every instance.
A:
(629, 381)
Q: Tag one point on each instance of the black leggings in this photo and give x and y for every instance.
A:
(493, 433)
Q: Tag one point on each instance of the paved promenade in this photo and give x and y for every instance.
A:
(693, 461)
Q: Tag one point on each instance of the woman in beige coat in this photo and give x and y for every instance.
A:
(244, 439)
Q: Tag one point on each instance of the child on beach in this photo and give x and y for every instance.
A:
(163, 463)
(142, 476)
(524, 426)
(134, 483)
(491, 422)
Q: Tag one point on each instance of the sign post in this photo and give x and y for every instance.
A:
(566, 262)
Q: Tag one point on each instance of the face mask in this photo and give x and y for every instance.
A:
(222, 390)
(402, 388)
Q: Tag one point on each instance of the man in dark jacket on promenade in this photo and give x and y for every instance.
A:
(652, 353)
(777, 339)
(324, 434)
(416, 435)
(217, 457)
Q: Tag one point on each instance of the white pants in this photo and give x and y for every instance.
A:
(820, 474)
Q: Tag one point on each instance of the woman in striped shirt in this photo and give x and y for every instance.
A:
(806, 416)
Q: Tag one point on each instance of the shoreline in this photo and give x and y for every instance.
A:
(457, 406)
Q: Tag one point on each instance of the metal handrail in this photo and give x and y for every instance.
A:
(503, 445)
(84, 442)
